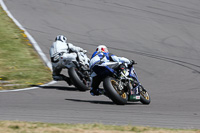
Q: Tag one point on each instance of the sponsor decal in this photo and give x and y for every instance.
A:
(137, 97)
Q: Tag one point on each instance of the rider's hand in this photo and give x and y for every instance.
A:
(56, 56)
(132, 62)
(84, 51)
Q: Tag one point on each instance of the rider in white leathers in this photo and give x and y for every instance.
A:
(101, 55)
(60, 53)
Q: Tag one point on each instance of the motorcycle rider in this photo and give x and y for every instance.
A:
(60, 52)
(102, 55)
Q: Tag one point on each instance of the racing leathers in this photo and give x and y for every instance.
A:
(60, 53)
(96, 59)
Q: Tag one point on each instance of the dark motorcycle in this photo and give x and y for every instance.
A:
(79, 71)
(121, 83)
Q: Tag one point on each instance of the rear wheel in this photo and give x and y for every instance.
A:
(144, 95)
(114, 92)
(78, 79)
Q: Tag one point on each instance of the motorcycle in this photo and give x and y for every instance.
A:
(79, 71)
(121, 83)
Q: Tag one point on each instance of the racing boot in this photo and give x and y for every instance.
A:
(96, 92)
(61, 77)
(67, 79)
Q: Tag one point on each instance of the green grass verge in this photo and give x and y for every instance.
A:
(20, 64)
(36, 127)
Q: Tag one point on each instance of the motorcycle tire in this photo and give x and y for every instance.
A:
(76, 79)
(144, 96)
(110, 86)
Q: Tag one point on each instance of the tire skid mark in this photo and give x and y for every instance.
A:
(191, 66)
(162, 14)
(164, 10)
(172, 4)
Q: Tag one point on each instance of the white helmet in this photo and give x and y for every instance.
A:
(102, 48)
(61, 38)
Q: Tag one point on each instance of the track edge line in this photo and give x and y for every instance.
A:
(34, 43)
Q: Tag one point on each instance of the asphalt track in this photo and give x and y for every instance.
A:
(161, 36)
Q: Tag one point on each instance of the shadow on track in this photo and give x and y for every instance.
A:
(60, 88)
(100, 102)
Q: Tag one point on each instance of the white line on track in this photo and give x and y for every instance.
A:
(34, 43)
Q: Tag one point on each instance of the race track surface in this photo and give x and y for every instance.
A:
(163, 37)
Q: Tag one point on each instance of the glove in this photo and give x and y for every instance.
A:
(56, 57)
(132, 62)
(84, 51)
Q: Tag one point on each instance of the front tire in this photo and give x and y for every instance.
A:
(77, 80)
(144, 95)
(117, 96)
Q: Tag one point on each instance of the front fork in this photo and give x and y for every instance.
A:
(134, 87)
(134, 91)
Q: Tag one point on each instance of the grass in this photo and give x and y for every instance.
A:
(37, 127)
(20, 65)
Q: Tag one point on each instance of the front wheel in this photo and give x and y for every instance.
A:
(144, 95)
(78, 79)
(113, 91)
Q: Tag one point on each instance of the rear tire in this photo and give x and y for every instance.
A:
(79, 82)
(118, 97)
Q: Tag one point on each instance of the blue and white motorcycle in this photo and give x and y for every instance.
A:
(121, 83)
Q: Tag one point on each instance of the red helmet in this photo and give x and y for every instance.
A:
(102, 48)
